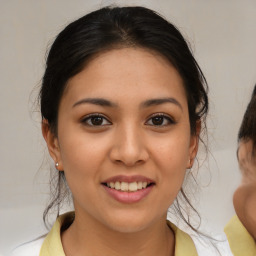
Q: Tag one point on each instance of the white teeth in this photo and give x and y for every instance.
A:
(140, 185)
(133, 186)
(117, 185)
(125, 186)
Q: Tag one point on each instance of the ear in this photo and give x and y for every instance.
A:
(52, 144)
(193, 148)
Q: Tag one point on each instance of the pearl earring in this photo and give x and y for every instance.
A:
(190, 165)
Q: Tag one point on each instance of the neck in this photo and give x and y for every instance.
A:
(86, 237)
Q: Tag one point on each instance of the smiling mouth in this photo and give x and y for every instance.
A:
(128, 186)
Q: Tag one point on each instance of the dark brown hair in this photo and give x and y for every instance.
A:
(247, 130)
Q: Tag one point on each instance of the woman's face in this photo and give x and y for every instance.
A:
(124, 139)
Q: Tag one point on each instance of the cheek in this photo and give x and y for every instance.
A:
(82, 162)
(82, 157)
(171, 157)
(172, 153)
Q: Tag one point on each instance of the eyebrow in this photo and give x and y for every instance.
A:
(145, 104)
(154, 102)
(96, 101)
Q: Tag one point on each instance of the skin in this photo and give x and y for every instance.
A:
(126, 143)
(244, 198)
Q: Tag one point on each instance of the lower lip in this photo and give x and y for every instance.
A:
(128, 197)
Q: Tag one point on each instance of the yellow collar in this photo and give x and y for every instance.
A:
(240, 241)
(52, 245)
(184, 245)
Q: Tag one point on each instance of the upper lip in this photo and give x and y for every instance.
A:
(129, 179)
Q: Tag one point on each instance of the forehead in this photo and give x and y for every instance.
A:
(133, 72)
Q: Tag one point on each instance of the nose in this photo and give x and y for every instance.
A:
(129, 147)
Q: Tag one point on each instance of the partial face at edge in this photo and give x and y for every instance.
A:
(124, 118)
(246, 160)
(244, 198)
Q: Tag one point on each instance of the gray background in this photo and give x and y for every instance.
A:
(222, 35)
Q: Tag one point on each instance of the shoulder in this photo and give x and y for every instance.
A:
(29, 249)
(189, 242)
(240, 241)
(211, 246)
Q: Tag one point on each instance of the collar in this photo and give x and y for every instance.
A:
(184, 245)
(240, 241)
(52, 245)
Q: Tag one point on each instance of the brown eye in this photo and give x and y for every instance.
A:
(157, 120)
(160, 120)
(95, 120)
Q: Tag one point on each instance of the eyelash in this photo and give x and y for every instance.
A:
(88, 118)
(165, 117)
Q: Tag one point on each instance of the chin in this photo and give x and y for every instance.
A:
(129, 223)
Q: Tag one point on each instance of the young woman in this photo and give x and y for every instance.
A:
(241, 230)
(123, 103)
